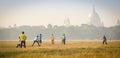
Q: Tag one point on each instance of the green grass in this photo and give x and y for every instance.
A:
(73, 49)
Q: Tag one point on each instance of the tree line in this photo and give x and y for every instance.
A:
(72, 32)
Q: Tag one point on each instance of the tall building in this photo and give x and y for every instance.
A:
(67, 22)
(118, 22)
(95, 19)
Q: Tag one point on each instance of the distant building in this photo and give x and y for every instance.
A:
(95, 19)
(118, 22)
(67, 22)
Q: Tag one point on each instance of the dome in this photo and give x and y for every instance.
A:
(95, 19)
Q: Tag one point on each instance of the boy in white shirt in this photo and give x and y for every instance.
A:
(36, 40)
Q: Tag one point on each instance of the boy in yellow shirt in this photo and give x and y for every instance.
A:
(22, 38)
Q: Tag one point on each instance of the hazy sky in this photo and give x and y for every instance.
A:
(43, 12)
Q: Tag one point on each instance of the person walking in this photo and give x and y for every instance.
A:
(22, 38)
(104, 40)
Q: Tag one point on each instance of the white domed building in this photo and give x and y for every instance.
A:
(95, 19)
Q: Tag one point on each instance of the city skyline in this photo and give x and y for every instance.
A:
(44, 12)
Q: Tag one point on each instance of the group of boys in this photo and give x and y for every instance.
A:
(37, 39)
(23, 37)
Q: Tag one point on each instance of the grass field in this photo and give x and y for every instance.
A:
(73, 49)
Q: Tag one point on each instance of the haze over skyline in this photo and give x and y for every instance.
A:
(44, 12)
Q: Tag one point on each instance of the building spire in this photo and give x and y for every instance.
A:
(118, 22)
(93, 8)
(67, 22)
(95, 19)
